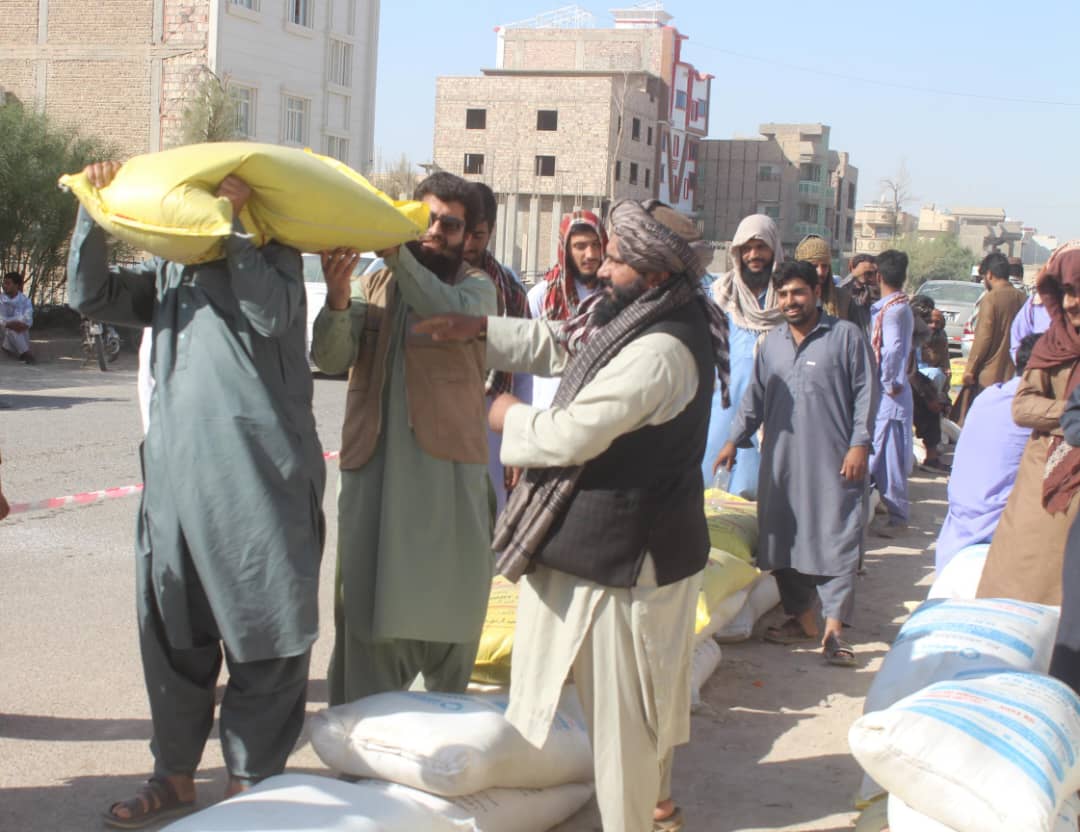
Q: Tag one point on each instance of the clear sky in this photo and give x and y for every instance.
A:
(882, 76)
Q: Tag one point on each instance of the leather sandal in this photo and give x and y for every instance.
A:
(155, 801)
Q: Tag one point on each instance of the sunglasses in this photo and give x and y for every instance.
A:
(449, 222)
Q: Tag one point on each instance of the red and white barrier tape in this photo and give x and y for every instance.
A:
(90, 497)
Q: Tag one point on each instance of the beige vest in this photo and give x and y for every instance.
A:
(444, 385)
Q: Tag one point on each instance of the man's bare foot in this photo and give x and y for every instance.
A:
(235, 787)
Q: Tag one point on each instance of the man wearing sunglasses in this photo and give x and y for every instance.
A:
(414, 546)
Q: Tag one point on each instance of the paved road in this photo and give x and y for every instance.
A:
(768, 752)
(73, 717)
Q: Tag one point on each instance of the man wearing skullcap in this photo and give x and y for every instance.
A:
(834, 300)
(607, 525)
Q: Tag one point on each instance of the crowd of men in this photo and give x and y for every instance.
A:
(562, 437)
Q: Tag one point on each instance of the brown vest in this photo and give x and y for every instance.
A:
(444, 385)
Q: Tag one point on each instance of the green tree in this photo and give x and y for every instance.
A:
(210, 112)
(942, 258)
(36, 217)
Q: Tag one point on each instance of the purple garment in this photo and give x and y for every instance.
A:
(890, 461)
(1032, 318)
(984, 470)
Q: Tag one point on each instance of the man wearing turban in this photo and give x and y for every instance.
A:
(608, 523)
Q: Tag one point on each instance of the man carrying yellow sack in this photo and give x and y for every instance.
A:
(230, 527)
(414, 554)
(608, 523)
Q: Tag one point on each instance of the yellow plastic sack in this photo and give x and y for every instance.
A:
(956, 369)
(164, 202)
(725, 574)
(732, 524)
(497, 638)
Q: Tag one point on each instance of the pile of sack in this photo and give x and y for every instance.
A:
(734, 596)
(962, 730)
(428, 761)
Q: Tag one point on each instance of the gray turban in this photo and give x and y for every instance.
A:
(653, 237)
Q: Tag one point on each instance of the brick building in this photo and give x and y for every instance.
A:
(574, 117)
(303, 72)
(788, 172)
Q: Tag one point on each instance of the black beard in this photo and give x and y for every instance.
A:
(759, 280)
(608, 309)
(443, 266)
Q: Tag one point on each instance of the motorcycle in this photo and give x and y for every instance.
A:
(101, 342)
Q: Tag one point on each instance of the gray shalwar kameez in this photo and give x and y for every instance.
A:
(230, 527)
(816, 401)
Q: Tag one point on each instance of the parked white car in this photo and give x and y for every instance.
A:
(315, 283)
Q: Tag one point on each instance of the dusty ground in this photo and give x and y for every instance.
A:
(768, 752)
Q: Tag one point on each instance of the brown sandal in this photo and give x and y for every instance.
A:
(155, 801)
(790, 632)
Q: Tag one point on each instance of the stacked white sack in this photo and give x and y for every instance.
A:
(450, 744)
(307, 803)
(995, 754)
(946, 639)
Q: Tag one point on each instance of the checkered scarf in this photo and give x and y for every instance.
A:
(560, 301)
(513, 303)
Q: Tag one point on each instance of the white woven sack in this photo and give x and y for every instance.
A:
(763, 595)
(450, 744)
(307, 803)
(996, 754)
(959, 580)
(902, 818)
(947, 639)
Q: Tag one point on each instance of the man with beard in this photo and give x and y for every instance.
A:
(512, 303)
(862, 286)
(568, 284)
(414, 557)
(747, 297)
(834, 300)
(608, 524)
(813, 390)
(16, 318)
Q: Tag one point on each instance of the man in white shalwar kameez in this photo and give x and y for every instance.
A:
(608, 521)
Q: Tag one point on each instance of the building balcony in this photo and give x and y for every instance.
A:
(808, 187)
(804, 229)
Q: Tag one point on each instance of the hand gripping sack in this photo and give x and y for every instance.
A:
(996, 754)
(164, 202)
(307, 803)
(450, 744)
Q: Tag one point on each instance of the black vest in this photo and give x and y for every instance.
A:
(645, 492)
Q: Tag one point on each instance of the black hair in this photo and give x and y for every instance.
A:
(1023, 352)
(447, 187)
(795, 270)
(17, 277)
(996, 265)
(487, 200)
(892, 266)
(1016, 267)
(862, 258)
(922, 305)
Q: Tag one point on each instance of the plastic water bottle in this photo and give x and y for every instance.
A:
(722, 479)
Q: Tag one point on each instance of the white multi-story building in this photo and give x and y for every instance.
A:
(303, 71)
